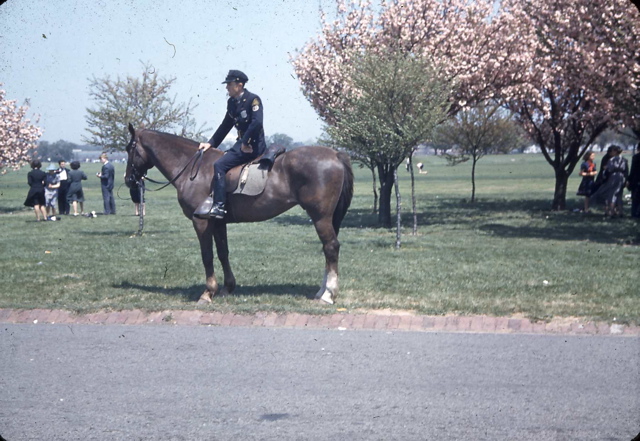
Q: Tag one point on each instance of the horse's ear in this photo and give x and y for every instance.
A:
(132, 130)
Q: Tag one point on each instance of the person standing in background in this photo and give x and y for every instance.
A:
(75, 195)
(136, 191)
(107, 179)
(634, 184)
(610, 192)
(588, 173)
(63, 173)
(52, 184)
(35, 197)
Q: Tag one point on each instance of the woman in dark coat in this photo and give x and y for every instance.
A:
(35, 197)
(588, 173)
(610, 192)
(634, 183)
(75, 194)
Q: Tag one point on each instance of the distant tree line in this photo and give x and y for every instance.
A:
(60, 150)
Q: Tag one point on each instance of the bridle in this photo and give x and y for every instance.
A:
(139, 176)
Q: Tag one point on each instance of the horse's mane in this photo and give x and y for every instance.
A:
(170, 137)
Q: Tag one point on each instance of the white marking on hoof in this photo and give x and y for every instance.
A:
(204, 301)
(326, 297)
(323, 288)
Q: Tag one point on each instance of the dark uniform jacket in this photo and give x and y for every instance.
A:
(107, 176)
(634, 174)
(246, 115)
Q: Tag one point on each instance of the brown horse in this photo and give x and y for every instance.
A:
(319, 179)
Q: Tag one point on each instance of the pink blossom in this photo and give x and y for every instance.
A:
(18, 136)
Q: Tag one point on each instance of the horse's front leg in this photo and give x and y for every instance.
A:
(204, 232)
(222, 248)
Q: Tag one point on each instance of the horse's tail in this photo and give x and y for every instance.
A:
(346, 194)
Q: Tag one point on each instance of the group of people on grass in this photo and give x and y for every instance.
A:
(58, 187)
(606, 185)
(54, 193)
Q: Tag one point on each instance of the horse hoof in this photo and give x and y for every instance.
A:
(326, 298)
(205, 298)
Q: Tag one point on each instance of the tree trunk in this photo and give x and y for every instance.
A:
(385, 174)
(375, 191)
(413, 196)
(560, 192)
(473, 179)
(398, 209)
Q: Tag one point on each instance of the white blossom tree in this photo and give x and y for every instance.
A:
(583, 74)
(568, 70)
(476, 49)
(473, 50)
(18, 135)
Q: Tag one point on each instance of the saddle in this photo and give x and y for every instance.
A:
(251, 178)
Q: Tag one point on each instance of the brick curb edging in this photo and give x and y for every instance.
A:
(339, 321)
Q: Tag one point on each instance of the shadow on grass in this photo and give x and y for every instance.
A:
(290, 289)
(10, 210)
(193, 293)
(591, 231)
(503, 218)
(127, 233)
(440, 212)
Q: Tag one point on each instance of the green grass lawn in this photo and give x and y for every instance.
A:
(491, 257)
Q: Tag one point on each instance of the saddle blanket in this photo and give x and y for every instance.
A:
(252, 180)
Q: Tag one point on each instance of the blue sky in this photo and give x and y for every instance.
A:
(50, 48)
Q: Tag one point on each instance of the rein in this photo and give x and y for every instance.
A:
(195, 161)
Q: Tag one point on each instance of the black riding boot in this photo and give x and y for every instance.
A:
(213, 207)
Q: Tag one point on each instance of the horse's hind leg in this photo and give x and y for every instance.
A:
(331, 247)
(205, 238)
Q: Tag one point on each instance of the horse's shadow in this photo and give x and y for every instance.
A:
(124, 233)
(193, 292)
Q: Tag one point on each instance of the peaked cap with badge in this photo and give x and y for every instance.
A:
(236, 76)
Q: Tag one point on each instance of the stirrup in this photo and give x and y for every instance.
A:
(204, 210)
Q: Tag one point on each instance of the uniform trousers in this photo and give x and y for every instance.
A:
(232, 158)
(109, 200)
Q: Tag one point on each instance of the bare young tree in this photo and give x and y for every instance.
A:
(476, 132)
(144, 102)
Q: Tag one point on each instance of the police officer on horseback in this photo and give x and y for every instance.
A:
(244, 111)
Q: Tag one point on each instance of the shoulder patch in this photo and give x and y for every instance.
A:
(255, 105)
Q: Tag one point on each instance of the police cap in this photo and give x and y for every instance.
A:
(235, 76)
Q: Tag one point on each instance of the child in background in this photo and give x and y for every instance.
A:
(52, 184)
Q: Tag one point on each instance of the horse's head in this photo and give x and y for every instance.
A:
(137, 160)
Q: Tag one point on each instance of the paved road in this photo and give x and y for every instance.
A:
(121, 382)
